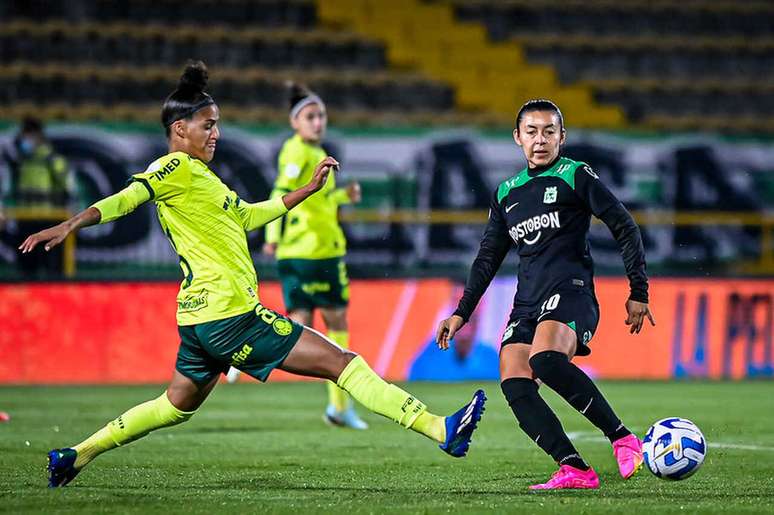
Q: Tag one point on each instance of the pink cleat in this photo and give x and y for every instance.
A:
(628, 454)
(570, 477)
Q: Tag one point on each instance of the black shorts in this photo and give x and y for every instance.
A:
(573, 306)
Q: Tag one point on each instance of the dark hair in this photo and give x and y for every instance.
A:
(31, 125)
(296, 93)
(188, 97)
(539, 104)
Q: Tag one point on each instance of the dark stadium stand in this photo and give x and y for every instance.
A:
(718, 55)
(130, 63)
(410, 61)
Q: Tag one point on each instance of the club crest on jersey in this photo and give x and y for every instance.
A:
(549, 197)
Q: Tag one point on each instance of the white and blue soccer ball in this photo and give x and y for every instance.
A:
(674, 448)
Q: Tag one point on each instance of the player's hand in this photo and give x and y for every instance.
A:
(447, 329)
(354, 193)
(321, 172)
(50, 237)
(269, 249)
(636, 314)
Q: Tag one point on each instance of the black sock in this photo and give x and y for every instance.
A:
(555, 370)
(539, 422)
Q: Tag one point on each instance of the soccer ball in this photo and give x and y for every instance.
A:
(674, 448)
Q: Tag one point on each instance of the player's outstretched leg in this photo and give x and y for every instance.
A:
(556, 371)
(314, 355)
(64, 464)
(453, 433)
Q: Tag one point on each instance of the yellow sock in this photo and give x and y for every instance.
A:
(336, 396)
(431, 425)
(370, 390)
(134, 424)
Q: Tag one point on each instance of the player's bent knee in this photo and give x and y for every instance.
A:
(546, 363)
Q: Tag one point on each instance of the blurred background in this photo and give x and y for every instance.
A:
(671, 102)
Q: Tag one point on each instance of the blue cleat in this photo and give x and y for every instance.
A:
(60, 467)
(347, 418)
(460, 426)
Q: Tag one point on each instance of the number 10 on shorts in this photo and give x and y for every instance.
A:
(550, 304)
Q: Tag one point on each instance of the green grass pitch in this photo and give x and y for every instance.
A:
(264, 449)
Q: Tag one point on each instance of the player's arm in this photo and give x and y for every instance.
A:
(349, 195)
(495, 245)
(261, 213)
(106, 210)
(605, 206)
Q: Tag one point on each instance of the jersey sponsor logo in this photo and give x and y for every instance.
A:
(508, 209)
(239, 358)
(549, 197)
(282, 327)
(524, 229)
(167, 169)
(192, 302)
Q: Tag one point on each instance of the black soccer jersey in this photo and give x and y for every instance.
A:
(545, 213)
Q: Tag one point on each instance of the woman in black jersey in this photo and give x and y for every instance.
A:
(544, 211)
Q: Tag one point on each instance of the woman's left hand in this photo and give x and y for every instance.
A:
(354, 193)
(636, 314)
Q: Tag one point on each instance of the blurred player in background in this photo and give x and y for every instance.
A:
(39, 182)
(545, 211)
(220, 319)
(309, 243)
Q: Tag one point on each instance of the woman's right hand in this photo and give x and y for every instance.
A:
(50, 237)
(321, 172)
(269, 249)
(447, 329)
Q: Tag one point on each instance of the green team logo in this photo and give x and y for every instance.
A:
(549, 197)
(282, 327)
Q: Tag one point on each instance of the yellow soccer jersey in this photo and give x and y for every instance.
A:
(206, 224)
(311, 230)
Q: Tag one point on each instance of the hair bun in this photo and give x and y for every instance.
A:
(296, 92)
(194, 78)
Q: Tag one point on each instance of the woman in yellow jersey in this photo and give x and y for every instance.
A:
(220, 318)
(309, 243)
